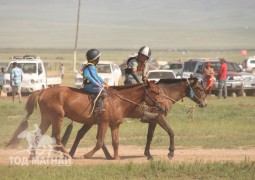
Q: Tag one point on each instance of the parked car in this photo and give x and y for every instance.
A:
(234, 78)
(156, 75)
(176, 67)
(35, 76)
(248, 80)
(109, 71)
(249, 65)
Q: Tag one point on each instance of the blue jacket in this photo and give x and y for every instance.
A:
(92, 81)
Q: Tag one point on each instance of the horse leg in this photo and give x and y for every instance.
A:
(150, 133)
(42, 129)
(101, 131)
(115, 141)
(163, 123)
(56, 130)
(85, 128)
(106, 153)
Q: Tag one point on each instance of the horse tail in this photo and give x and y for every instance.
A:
(30, 105)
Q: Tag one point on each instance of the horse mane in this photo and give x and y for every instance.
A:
(121, 87)
(171, 81)
(78, 90)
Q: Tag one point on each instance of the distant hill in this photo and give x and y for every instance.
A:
(162, 24)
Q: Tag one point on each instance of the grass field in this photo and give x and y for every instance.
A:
(224, 124)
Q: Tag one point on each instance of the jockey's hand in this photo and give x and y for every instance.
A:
(106, 86)
(144, 79)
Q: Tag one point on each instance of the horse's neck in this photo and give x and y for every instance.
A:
(134, 95)
(174, 91)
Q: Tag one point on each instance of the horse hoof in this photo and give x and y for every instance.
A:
(86, 156)
(170, 155)
(116, 158)
(149, 158)
(110, 158)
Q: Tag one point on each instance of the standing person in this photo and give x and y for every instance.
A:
(223, 78)
(136, 73)
(16, 77)
(62, 70)
(208, 73)
(92, 82)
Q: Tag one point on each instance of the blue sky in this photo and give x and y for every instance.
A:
(161, 24)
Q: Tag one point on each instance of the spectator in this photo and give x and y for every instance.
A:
(62, 70)
(208, 73)
(16, 77)
(223, 78)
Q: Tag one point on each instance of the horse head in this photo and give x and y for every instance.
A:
(196, 92)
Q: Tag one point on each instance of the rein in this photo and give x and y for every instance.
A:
(128, 100)
(191, 110)
(94, 102)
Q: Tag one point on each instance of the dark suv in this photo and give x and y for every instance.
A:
(234, 78)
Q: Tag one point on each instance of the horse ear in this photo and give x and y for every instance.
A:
(153, 86)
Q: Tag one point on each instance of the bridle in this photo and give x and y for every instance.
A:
(191, 94)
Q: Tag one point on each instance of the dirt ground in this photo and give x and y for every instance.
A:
(134, 154)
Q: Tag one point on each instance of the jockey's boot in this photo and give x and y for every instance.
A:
(147, 116)
(99, 107)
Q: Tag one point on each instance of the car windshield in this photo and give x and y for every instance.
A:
(175, 66)
(189, 66)
(161, 75)
(26, 67)
(103, 68)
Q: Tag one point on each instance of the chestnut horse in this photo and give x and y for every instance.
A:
(171, 90)
(59, 102)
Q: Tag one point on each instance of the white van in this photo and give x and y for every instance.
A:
(34, 75)
(249, 65)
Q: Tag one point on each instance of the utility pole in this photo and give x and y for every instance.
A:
(76, 38)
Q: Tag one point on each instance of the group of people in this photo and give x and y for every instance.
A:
(134, 73)
(208, 73)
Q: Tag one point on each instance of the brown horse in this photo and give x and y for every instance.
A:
(59, 102)
(171, 92)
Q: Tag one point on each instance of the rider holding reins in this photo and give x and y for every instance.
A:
(92, 81)
(136, 73)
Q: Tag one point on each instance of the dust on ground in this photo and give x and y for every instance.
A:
(135, 154)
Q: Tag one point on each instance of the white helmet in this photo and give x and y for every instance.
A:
(145, 50)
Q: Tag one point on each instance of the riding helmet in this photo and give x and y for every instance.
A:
(92, 54)
(145, 50)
